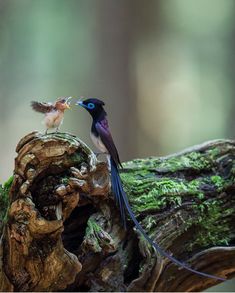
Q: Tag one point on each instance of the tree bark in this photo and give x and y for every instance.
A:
(63, 230)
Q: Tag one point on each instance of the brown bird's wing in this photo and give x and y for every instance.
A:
(42, 107)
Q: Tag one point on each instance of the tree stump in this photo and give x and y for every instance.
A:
(63, 230)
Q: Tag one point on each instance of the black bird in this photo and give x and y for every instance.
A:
(102, 138)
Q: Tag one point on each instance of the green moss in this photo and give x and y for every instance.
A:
(147, 192)
(150, 222)
(65, 180)
(194, 160)
(92, 235)
(97, 239)
(154, 184)
(158, 194)
(77, 158)
(92, 227)
(214, 229)
(3, 202)
(8, 183)
(201, 195)
(218, 181)
(4, 199)
(214, 152)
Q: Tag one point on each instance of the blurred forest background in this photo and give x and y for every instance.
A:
(164, 68)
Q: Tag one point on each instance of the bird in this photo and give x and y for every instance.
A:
(54, 112)
(101, 136)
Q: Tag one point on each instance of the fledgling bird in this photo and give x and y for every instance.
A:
(54, 112)
(102, 138)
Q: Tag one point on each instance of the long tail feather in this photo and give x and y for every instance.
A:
(123, 203)
(117, 193)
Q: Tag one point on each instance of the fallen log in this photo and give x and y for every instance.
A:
(63, 231)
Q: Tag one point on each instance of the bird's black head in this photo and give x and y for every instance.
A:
(94, 107)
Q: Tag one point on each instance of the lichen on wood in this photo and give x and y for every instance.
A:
(63, 229)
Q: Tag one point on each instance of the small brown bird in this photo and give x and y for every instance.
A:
(54, 113)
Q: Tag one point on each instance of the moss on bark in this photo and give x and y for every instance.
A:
(63, 218)
(199, 180)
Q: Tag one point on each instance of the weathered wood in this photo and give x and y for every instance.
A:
(63, 230)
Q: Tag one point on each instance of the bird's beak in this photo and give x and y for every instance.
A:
(67, 104)
(80, 103)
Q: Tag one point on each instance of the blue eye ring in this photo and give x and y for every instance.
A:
(90, 106)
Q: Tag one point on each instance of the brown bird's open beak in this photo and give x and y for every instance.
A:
(67, 106)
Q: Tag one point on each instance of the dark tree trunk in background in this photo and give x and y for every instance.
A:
(63, 230)
(114, 33)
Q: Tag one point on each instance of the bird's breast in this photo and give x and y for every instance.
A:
(98, 143)
(54, 119)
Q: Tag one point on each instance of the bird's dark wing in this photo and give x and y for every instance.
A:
(42, 107)
(102, 128)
